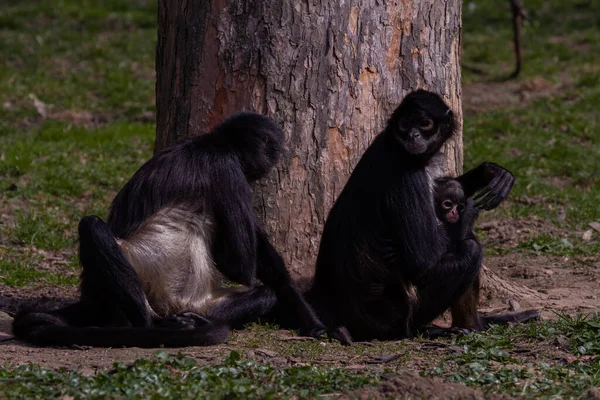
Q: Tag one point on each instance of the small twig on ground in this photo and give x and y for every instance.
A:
(387, 359)
(438, 345)
(299, 338)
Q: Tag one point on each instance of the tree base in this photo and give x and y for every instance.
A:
(496, 287)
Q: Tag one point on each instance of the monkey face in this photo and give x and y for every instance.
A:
(452, 210)
(421, 123)
(417, 134)
(450, 200)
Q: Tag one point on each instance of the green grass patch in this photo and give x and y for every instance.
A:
(552, 154)
(573, 246)
(22, 268)
(76, 55)
(54, 176)
(180, 377)
(560, 36)
(492, 360)
(550, 143)
(90, 66)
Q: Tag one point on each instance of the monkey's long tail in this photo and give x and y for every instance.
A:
(44, 329)
(515, 317)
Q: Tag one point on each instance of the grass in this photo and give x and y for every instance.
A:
(551, 143)
(180, 377)
(90, 65)
(541, 359)
(492, 360)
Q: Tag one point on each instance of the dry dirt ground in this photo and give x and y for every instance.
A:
(557, 284)
(563, 284)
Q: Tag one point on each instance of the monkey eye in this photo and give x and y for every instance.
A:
(403, 126)
(426, 124)
(447, 205)
(461, 207)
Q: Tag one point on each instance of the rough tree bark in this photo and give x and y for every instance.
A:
(329, 73)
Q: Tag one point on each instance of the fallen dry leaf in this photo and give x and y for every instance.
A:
(595, 226)
(264, 352)
(40, 106)
(5, 337)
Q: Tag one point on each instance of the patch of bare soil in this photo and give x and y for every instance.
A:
(564, 284)
(483, 96)
(81, 117)
(77, 117)
(12, 299)
(412, 386)
(507, 234)
(89, 360)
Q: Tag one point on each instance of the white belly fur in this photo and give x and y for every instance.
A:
(434, 170)
(171, 255)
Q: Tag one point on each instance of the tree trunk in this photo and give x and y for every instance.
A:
(330, 73)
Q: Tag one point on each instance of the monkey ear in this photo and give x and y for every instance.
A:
(448, 116)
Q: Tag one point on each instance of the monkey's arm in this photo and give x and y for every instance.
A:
(470, 214)
(444, 267)
(234, 247)
(272, 272)
(491, 180)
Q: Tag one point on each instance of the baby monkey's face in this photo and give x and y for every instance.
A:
(449, 201)
(451, 210)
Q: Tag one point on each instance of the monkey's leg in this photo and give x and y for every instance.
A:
(107, 275)
(464, 309)
(439, 292)
(272, 272)
(466, 316)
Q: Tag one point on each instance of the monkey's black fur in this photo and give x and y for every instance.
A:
(209, 175)
(383, 228)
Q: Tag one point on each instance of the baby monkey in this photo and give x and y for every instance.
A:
(449, 200)
(450, 204)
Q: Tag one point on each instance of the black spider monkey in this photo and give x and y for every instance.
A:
(451, 205)
(383, 228)
(153, 274)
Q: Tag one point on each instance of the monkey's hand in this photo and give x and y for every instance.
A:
(469, 217)
(499, 183)
(434, 332)
(340, 334)
(315, 331)
(185, 320)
